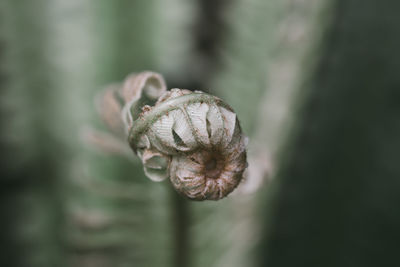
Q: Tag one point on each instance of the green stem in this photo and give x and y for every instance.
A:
(181, 229)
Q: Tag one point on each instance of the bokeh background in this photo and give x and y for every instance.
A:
(315, 83)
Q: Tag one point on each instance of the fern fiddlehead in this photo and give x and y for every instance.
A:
(193, 138)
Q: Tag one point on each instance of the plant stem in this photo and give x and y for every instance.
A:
(181, 229)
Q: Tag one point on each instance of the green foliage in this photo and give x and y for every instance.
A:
(242, 78)
(30, 206)
(337, 193)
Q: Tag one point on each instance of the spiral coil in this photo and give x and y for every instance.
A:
(193, 138)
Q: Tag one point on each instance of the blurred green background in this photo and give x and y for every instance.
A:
(315, 84)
